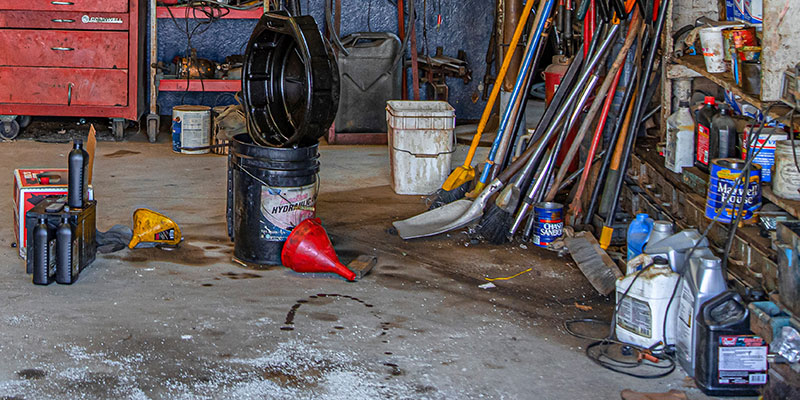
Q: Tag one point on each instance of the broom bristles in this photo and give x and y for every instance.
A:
(443, 197)
(494, 224)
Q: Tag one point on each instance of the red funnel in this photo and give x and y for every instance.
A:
(308, 249)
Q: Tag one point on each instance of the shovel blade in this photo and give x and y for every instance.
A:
(439, 220)
(458, 177)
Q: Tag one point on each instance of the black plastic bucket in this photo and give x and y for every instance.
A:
(270, 191)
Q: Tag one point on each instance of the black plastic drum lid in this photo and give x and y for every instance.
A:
(290, 82)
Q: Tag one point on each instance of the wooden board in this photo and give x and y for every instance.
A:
(594, 262)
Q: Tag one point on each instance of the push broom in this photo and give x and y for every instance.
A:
(466, 173)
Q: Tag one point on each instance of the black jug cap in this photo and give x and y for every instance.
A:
(660, 261)
(77, 142)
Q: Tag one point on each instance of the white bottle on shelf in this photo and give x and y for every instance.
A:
(679, 151)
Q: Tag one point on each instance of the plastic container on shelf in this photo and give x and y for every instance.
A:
(680, 139)
(703, 133)
(722, 141)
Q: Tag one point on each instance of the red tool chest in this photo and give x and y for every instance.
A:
(78, 58)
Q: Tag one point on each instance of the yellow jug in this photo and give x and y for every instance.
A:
(152, 227)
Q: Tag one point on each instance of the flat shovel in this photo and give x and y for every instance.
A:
(459, 213)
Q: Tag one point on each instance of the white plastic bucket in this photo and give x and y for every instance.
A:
(421, 144)
(786, 177)
(713, 51)
(191, 129)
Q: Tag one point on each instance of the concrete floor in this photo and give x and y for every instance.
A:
(192, 324)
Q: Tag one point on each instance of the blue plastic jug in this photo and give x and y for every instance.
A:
(638, 233)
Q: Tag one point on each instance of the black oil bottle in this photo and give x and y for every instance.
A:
(702, 133)
(731, 361)
(722, 142)
(66, 253)
(77, 185)
(42, 268)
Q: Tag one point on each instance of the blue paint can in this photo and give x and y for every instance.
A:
(549, 223)
(725, 199)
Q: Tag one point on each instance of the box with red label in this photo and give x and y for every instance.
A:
(32, 185)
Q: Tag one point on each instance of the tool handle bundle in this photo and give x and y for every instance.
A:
(582, 102)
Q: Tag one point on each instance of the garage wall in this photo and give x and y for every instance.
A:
(467, 25)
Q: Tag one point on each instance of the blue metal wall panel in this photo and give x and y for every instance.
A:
(466, 25)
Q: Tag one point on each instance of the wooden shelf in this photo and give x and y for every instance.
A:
(725, 80)
(185, 12)
(790, 206)
(195, 85)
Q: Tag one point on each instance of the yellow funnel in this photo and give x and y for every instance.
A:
(152, 227)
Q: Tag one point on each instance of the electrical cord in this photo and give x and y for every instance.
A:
(598, 350)
(212, 12)
(751, 155)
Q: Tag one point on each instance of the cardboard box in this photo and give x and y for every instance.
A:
(32, 185)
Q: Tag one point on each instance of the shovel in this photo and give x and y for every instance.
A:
(465, 173)
(461, 212)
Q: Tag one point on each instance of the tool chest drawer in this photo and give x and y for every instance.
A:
(73, 58)
(64, 20)
(119, 6)
(52, 48)
(64, 86)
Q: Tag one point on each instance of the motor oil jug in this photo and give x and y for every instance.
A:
(661, 230)
(43, 262)
(67, 257)
(642, 319)
(78, 161)
(638, 233)
(674, 248)
(703, 133)
(731, 361)
(700, 282)
(680, 139)
(722, 142)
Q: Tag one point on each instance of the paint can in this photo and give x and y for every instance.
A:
(191, 129)
(726, 199)
(549, 223)
(786, 181)
(270, 191)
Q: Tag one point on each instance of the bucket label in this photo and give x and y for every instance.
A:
(685, 317)
(634, 315)
(742, 360)
(284, 208)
